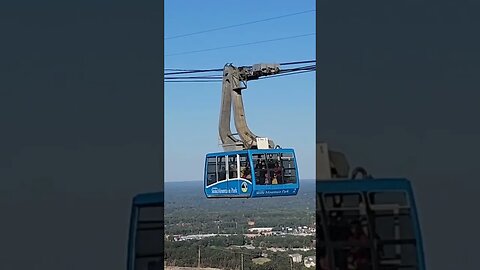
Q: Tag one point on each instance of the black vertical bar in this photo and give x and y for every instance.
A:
(328, 244)
(371, 232)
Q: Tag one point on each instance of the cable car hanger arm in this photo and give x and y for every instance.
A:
(234, 81)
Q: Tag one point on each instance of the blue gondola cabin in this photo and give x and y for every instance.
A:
(251, 173)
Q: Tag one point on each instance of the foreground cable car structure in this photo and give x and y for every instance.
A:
(365, 223)
(250, 166)
(146, 233)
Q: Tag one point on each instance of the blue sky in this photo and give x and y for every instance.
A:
(280, 108)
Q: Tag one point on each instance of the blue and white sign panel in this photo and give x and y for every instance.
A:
(236, 187)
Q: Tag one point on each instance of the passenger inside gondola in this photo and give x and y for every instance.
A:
(264, 172)
(222, 174)
(262, 163)
(357, 233)
(376, 237)
(262, 175)
(359, 250)
(278, 172)
(232, 171)
(259, 170)
(257, 173)
(247, 173)
(274, 179)
(270, 171)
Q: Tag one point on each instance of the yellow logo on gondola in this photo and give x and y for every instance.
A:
(244, 187)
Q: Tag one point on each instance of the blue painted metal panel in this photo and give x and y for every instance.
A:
(242, 188)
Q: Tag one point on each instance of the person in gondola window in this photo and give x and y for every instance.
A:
(278, 171)
(232, 171)
(274, 180)
(265, 174)
(247, 173)
(222, 174)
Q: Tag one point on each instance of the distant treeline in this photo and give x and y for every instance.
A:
(214, 252)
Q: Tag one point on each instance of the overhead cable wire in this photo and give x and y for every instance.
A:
(193, 71)
(299, 68)
(240, 45)
(286, 74)
(216, 77)
(179, 69)
(220, 77)
(240, 24)
(186, 71)
(194, 77)
(297, 62)
(206, 79)
(194, 81)
(309, 67)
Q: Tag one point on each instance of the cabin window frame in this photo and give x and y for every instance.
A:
(219, 165)
(258, 157)
(376, 245)
(333, 248)
(233, 162)
(291, 161)
(403, 238)
(245, 163)
(215, 179)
